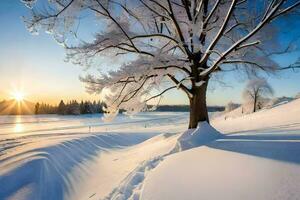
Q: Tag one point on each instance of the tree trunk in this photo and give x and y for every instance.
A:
(198, 107)
(254, 106)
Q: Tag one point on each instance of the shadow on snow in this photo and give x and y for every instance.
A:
(282, 147)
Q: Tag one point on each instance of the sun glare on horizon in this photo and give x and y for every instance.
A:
(18, 96)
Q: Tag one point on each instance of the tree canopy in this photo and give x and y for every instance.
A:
(169, 44)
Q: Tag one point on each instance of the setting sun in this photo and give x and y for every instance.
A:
(18, 95)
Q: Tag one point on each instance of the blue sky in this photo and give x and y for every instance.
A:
(35, 64)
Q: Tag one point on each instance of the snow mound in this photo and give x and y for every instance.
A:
(202, 135)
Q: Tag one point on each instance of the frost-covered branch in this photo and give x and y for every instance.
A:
(153, 42)
(239, 43)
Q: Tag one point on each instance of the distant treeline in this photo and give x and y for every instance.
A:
(70, 108)
(87, 107)
(185, 108)
(12, 107)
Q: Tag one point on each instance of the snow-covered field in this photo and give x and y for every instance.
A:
(66, 157)
(147, 157)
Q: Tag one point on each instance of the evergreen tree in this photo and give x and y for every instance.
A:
(73, 108)
(61, 110)
(81, 108)
(36, 108)
(87, 107)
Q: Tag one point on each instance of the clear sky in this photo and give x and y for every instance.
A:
(35, 64)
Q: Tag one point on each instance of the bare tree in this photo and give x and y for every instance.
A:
(231, 106)
(256, 91)
(166, 44)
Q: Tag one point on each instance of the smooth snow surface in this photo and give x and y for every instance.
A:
(258, 158)
(210, 173)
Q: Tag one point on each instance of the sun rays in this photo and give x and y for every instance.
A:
(17, 105)
(18, 96)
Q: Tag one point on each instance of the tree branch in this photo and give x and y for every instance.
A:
(219, 34)
(180, 85)
(239, 42)
(158, 95)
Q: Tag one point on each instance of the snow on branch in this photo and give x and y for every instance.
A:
(127, 87)
(272, 12)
